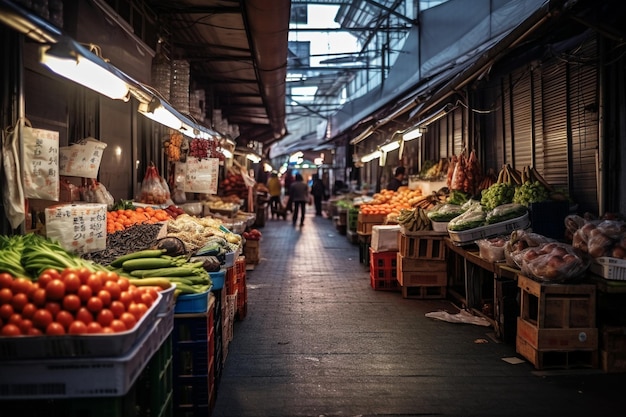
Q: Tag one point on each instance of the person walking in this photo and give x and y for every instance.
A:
(288, 180)
(274, 187)
(299, 195)
(319, 192)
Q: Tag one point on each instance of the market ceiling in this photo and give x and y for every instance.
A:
(238, 54)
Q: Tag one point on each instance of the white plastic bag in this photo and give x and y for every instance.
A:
(12, 191)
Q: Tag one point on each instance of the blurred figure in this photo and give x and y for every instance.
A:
(274, 187)
(318, 190)
(299, 196)
(398, 178)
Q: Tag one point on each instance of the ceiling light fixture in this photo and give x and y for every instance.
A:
(391, 146)
(412, 134)
(254, 158)
(71, 60)
(371, 156)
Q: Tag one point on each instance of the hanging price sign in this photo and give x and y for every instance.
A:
(201, 175)
(82, 159)
(79, 228)
(41, 164)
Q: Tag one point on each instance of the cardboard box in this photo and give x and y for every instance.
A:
(385, 238)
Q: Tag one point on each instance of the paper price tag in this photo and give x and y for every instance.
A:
(201, 175)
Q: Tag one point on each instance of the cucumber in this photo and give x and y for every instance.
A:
(147, 253)
(146, 263)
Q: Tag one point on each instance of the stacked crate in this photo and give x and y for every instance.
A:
(194, 362)
(365, 225)
(353, 220)
(241, 308)
(557, 324)
(383, 271)
(422, 269)
(251, 251)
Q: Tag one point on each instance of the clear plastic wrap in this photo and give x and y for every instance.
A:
(553, 261)
(520, 240)
(492, 249)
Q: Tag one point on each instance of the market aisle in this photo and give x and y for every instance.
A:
(317, 340)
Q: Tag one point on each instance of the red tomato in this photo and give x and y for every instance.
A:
(95, 283)
(77, 327)
(117, 308)
(28, 310)
(38, 297)
(11, 330)
(64, 318)
(84, 293)
(55, 290)
(72, 282)
(55, 328)
(113, 288)
(118, 326)
(33, 331)
(83, 273)
(107, 330)
(124, 283)
(6, 310)
(42, 318)
(105, 317)
(129, 320)
(101, 275)
(111, 276)
(53, 273)
(105, 296)
(6, 296)
(44, 279)
(84, 315)
(71, 302)
(147, 299)
(135, 310)
(26, 325)
(94, 304)
(19, 301)
(21, 285)
(6, 280)
(15, 318)
(126, 298)
(94, 327)
(53, 307)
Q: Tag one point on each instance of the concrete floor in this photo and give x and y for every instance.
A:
(317, 340)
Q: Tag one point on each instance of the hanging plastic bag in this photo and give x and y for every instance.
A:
(13, 193)
(103, 196)
(153, 188)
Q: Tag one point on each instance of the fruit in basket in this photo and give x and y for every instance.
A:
(56, 304)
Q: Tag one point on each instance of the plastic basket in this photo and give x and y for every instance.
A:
(217, 279)
(80, 345)
(492, 230)
(609, 268)
(192, 303)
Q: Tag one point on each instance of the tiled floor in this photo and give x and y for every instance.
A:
(317, 340)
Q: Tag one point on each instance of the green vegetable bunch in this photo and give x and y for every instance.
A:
(530, 192)
(496, 195)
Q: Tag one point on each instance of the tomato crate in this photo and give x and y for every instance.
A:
(61, 378)
(427, 246)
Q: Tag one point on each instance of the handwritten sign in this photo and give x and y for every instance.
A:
(41, 164)
(201, 175)
(81, 159)
(79, 228)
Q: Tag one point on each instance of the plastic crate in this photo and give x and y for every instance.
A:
(609, 268)
(353, 219)
(384, 271)
(383, 260)
(192, 303)
(483, 232)
(82, 377)
(150, 396)
(218, 279)
(83, 345)
(364, 248)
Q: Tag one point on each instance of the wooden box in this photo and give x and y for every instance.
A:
(251, 251)
(365, 222)
(422, 246)
(613, 348)
(419, 272)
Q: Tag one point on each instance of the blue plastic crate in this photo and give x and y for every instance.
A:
(192, 303)
(217, 279)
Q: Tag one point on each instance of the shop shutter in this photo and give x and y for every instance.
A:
(554, 135)
(457, 130)
(583, 100)
(520, 145)
(504, 146)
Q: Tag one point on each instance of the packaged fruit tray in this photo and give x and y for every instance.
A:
(492, 230)
(80, 345)
(60, 378)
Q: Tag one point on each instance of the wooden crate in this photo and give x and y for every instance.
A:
(365, 222)
(549, 305)
(613, 348)
(559, 359)
(424, 291)
(543, 339)
(251, 251)
(422, 246)
(421, 272)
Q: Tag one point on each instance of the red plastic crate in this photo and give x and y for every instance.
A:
(383, 260)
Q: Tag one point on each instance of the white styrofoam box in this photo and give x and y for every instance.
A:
(385, 238)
